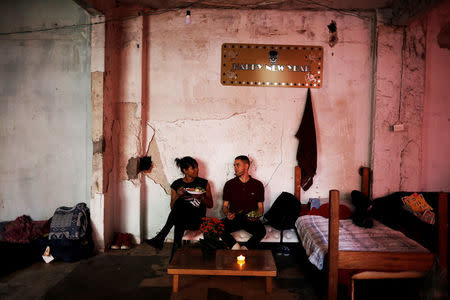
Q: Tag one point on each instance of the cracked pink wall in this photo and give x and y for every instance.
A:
(166, 101)
(436, 126)
(191, 113)
(410, 91)
(399, 100)
(188, 111)
(124, 110)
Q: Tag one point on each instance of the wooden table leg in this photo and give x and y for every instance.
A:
(353, 289)
(268, 285)
(175, 283)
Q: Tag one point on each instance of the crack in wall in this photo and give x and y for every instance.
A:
(108, 160)
(157, 174)
(281, 156)
(401, 76)
(402, 154)
(199, 120)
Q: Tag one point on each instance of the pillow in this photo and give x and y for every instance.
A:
(324, 211)
(304, 210)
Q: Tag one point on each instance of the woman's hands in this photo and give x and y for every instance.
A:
(175, 195)
(207, 197)
(180, 191)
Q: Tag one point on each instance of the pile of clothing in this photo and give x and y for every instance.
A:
(68, 235)
(21, 243)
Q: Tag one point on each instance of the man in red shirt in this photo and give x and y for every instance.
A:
(243, 204)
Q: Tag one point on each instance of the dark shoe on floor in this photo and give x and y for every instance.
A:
(117, 241)
(156, 242)
(126, 242)
(283, 250)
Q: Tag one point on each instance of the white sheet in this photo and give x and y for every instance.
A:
(313, 232)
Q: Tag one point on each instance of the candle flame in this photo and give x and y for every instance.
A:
(241, 260)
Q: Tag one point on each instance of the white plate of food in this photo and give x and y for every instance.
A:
(195, 191)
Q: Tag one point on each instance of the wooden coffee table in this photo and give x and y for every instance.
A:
(190, 261)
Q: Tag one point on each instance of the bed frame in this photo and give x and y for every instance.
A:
(376, 261)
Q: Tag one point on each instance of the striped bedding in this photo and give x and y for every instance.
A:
(313, 232)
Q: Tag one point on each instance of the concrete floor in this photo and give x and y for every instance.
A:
(292, 281)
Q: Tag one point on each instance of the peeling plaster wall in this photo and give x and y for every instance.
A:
(191, 113)
(97, 95)
(436, 127)
(122, 125)
(389, 69)
(45, 109)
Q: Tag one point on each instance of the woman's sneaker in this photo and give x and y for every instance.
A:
(156, 242)
(117, 241)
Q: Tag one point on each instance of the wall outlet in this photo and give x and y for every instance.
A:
(398, 127)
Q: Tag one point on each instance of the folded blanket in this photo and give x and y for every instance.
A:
(24, 230)
(69, 222)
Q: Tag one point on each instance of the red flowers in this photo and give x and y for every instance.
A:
(211, 226)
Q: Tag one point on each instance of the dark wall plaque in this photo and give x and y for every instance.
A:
(272, 65)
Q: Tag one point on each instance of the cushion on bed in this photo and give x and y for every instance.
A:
(304, 210)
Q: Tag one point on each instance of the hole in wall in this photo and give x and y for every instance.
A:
(136, 165)
(145, 164)
(99, 146)
(132, 168)
(333, 38)
(332, 26)
(443, 37)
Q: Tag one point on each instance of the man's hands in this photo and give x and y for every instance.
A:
(231, 215)
(227, 212)
(256, 215)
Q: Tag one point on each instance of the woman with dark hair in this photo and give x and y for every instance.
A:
(190, 196)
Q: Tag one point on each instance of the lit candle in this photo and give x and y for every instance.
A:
(241, 260)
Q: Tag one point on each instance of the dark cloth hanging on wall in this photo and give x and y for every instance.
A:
(307, 146)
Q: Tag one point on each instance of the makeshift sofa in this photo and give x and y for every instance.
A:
(279, 222)
(272, 235)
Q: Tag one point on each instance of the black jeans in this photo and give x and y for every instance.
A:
(240, 221)
(183, 216)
